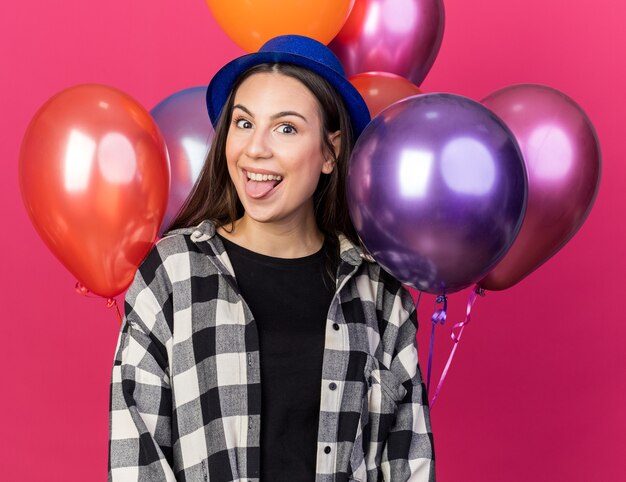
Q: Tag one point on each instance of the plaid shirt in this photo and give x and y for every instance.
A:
(186, 386)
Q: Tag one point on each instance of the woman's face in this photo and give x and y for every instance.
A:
(274, 148)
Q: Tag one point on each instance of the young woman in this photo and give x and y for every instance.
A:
(260, 341)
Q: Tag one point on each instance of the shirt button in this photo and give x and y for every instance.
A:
(335, 327)
(332, 386)
(327, 449)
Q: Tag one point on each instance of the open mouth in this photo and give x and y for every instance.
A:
(260, 185)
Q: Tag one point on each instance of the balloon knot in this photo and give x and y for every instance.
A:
(81, 289)
(440, 315)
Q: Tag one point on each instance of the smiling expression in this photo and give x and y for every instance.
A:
(274, 148)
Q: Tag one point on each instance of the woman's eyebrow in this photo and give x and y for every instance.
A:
(288, 113)
(239, 106)
(275, 116)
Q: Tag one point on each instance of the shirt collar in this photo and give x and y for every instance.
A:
(348, 251)
(352, 253)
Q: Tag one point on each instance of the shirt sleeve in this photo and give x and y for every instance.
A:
(140, 447)
(408, 454)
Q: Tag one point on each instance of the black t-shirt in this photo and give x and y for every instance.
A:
(289, 299)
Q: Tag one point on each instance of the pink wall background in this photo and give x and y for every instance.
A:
(538, 388)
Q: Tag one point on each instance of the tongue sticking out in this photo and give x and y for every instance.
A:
(258, 189)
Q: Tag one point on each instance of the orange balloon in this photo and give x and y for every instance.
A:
(381, 89)
(94, 176)
(250, 23)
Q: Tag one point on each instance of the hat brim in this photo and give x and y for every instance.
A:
(222, 83)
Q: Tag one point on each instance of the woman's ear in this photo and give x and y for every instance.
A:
(329, 163)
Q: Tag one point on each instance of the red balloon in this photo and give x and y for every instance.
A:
(562, 157)
(381, 89)
(94, 176)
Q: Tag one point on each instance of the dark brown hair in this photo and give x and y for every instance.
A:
(214, 197)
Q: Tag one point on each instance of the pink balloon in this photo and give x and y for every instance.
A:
(397, 36)
(184, 122)
(563, 162)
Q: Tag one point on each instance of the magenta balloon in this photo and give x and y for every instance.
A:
(437, 191)
(397, 36)
(563, 160)
(184, 122)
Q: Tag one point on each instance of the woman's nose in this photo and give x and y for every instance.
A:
(258, 144)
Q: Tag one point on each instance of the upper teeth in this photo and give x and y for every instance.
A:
(263, 177)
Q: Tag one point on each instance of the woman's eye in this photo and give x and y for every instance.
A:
(287, 129)
(244, 124)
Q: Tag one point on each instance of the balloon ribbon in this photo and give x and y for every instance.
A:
(81, 289)
(477, 291)
(439, 316)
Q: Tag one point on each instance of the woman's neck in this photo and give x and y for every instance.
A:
(289, 239)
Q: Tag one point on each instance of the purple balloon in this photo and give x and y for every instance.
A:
(563, 161)
(437, 191)
(184, 122)
(398, 36)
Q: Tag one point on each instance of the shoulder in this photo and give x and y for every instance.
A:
(368, 268)
(184, 240)
(164, 249)
(170, 257)
(175, 243)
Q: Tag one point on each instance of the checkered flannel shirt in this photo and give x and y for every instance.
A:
(186, 388)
